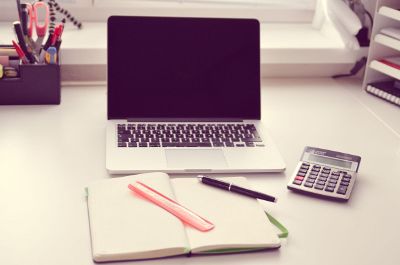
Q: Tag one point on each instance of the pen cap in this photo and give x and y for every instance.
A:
(214, 182)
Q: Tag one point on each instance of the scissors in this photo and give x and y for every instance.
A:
(38, 17)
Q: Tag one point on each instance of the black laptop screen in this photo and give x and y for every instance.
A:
(183, 68)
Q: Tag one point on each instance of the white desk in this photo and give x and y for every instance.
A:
(48, 154)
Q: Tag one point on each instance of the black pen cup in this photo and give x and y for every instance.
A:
(36, 84)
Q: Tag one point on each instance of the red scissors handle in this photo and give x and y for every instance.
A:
(41, 9)
(30, 19)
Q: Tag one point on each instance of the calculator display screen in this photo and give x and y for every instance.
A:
(330, 161)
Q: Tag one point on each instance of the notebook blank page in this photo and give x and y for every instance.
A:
(125, 226)
(240, 221)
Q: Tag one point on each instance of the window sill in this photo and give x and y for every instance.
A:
(283, 48)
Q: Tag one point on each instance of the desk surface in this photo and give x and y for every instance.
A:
(49, 154)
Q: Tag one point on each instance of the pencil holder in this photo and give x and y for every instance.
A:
(37, 84)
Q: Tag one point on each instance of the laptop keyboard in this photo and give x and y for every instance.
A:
(188, 135)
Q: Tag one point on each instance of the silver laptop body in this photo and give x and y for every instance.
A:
(184, 97)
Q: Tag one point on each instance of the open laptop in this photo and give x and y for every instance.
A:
(184, 96)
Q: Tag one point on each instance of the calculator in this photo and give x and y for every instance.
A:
(325, 173)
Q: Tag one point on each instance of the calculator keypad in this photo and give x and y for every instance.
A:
(323, 180)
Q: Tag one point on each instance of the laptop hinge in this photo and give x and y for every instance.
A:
(183, 120)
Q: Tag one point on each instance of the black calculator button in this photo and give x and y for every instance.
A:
(327, 168)
(342, 190)
(313, 173)
(320, 182)
(346, 179)
(317, 166)
(301, 174)
(308, 184)
(322, 179)
(310, 180)
(324, 175)
(303, 170)
(335, 174)
(304, 167)
(332, 181)
(312, 176)
(297, 182)
(343, 172)
(344, 183)
(319, 187)
(331, 185)
(305, 164)
(329, 189)
(334, 177)
(324, 171)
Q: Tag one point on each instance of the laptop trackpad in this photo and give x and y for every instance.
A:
(195, 159)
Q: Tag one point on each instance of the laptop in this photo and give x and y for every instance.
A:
(184, 97)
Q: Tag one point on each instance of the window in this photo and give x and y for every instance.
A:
(264, 10)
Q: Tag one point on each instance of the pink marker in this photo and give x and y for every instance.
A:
(171, 206)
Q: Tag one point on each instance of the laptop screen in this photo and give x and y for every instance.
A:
(183, 68)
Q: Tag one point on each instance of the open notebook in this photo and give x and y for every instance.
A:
(125, 226)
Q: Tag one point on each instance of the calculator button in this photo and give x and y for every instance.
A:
(319, 187)
(342, 190)
(332, 185)
(335, 174)
(324, 175)
(310, 180)
(305, 164)
(312, 176)
(334, 177)
(330, 189)
(332, 181)
(297, 182)
(304, 167)
(317, 166)
(308, 184)
(303, 170)
(325, 171)
(343, 172)
(327, 168)
(299, 178)
(313, 173)
(344, 183)
(322, 178)
(320, 182)
(346, 179)
(301, 174)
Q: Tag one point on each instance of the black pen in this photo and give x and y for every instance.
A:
(234, 188)
(22, 43)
